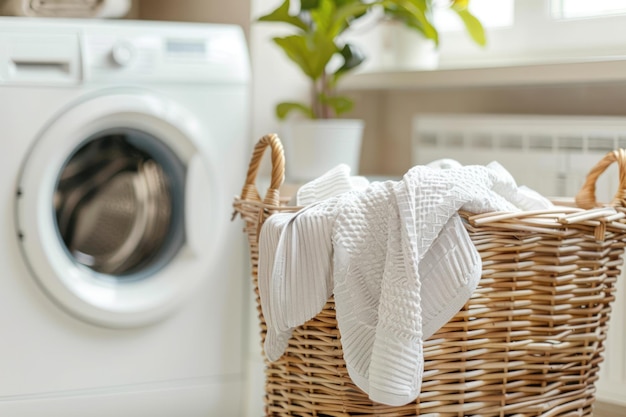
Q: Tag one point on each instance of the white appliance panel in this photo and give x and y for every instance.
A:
(191, 359)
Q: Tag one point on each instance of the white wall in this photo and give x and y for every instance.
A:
(275, 78)
(231, 11)
(387, 141)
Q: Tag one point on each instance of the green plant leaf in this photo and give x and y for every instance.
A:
(423, 5)
(322, 17)
(281, 14)
(341, 3)
(345, 13)
(311, 53)
(352, 57)
(309, 4)
(339, 104)
(413, 13)
(283, 109)
(459, 4)
(320, 24)
(473, 26)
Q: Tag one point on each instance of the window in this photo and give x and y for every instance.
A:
(573, 9)
(537, 31)
(492, 14)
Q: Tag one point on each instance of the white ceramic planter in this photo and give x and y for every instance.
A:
(391, 46)
(406, 49)
(312, 147)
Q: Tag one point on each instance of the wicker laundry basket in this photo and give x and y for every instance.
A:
(527, 343)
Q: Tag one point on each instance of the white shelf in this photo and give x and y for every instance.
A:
(610, 70)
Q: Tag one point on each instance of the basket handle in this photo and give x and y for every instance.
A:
(586, 197)
(249, 190)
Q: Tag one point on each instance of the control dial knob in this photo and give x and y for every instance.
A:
(123, 53)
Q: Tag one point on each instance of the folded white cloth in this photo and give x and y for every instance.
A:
(522, 197)
(444, 163)
(398, 260)
(334, 182)
(288, 255)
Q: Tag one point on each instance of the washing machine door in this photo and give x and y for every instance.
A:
(117, 214)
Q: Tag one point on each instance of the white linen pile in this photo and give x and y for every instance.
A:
(396, 256)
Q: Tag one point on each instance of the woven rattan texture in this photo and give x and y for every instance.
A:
(528, 343)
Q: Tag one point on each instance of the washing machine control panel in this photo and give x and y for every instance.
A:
(138, 52)
(208, 53)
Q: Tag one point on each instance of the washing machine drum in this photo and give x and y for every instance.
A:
(113, 207)
(118, 209)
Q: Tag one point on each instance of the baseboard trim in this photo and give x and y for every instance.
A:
(194, 397)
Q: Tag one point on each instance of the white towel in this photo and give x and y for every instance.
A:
(522, 197)
(381, 251)
(268, 243)
(288, 257)
(444, 163)
(330, 184)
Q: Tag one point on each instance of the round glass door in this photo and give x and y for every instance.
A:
(117, 204)
(117, 213)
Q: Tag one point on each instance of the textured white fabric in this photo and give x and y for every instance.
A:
(522, 197)
(444, 163)
(398, 260)
(295, 271)
(268, 243)
(332, 183)
(452, 261)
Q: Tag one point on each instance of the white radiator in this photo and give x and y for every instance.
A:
(551, 154)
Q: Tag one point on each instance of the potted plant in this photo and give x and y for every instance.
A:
(319, 49)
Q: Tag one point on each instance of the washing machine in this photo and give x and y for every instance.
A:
(122, 278)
